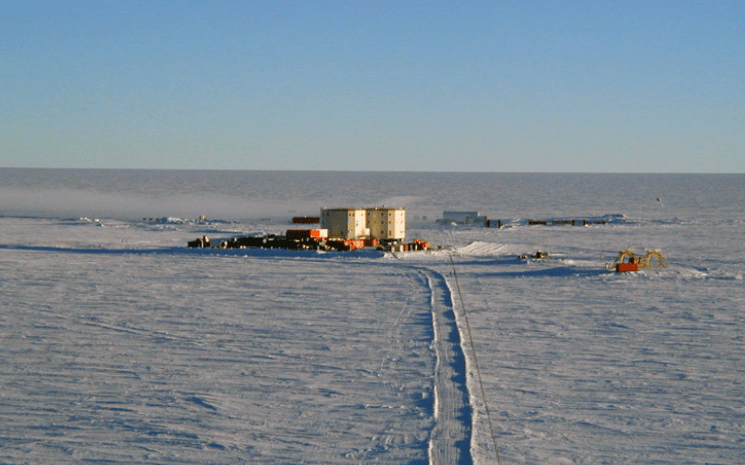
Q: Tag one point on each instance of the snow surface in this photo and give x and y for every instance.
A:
(121, 345)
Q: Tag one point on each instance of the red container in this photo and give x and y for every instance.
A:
(306, 219)
(626, 267)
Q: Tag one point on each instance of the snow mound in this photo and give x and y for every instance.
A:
(484, 248)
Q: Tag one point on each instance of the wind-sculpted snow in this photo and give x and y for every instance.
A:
(212, 359)
(602, 368)
(120, 345)
(483, 248)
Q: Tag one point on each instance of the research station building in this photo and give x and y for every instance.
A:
(365, 223)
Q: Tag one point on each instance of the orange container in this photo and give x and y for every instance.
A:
(626, 267)
(352, 244)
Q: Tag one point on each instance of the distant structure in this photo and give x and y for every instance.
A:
(379, 223)
(342, 229)
(387, 223)
(306, 219)
(463, 217)
(345, 223)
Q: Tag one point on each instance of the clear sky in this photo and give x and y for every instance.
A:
(499, 86)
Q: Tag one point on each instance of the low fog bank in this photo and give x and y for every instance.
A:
(63, 203)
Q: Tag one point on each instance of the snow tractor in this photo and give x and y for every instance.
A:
(628, 261)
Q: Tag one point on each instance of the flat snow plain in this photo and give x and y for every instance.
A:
(120, 345)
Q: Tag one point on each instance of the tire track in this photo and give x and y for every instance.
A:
(451, 436)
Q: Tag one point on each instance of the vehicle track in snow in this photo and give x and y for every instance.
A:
(451, 435)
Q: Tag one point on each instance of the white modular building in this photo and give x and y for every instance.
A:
(365, 223)
(345, 223)
(386, 223)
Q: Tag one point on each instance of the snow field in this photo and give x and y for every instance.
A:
(608, 368)
(121, 345)
(182, 358)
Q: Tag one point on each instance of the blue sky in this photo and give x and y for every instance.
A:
(498, 86)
